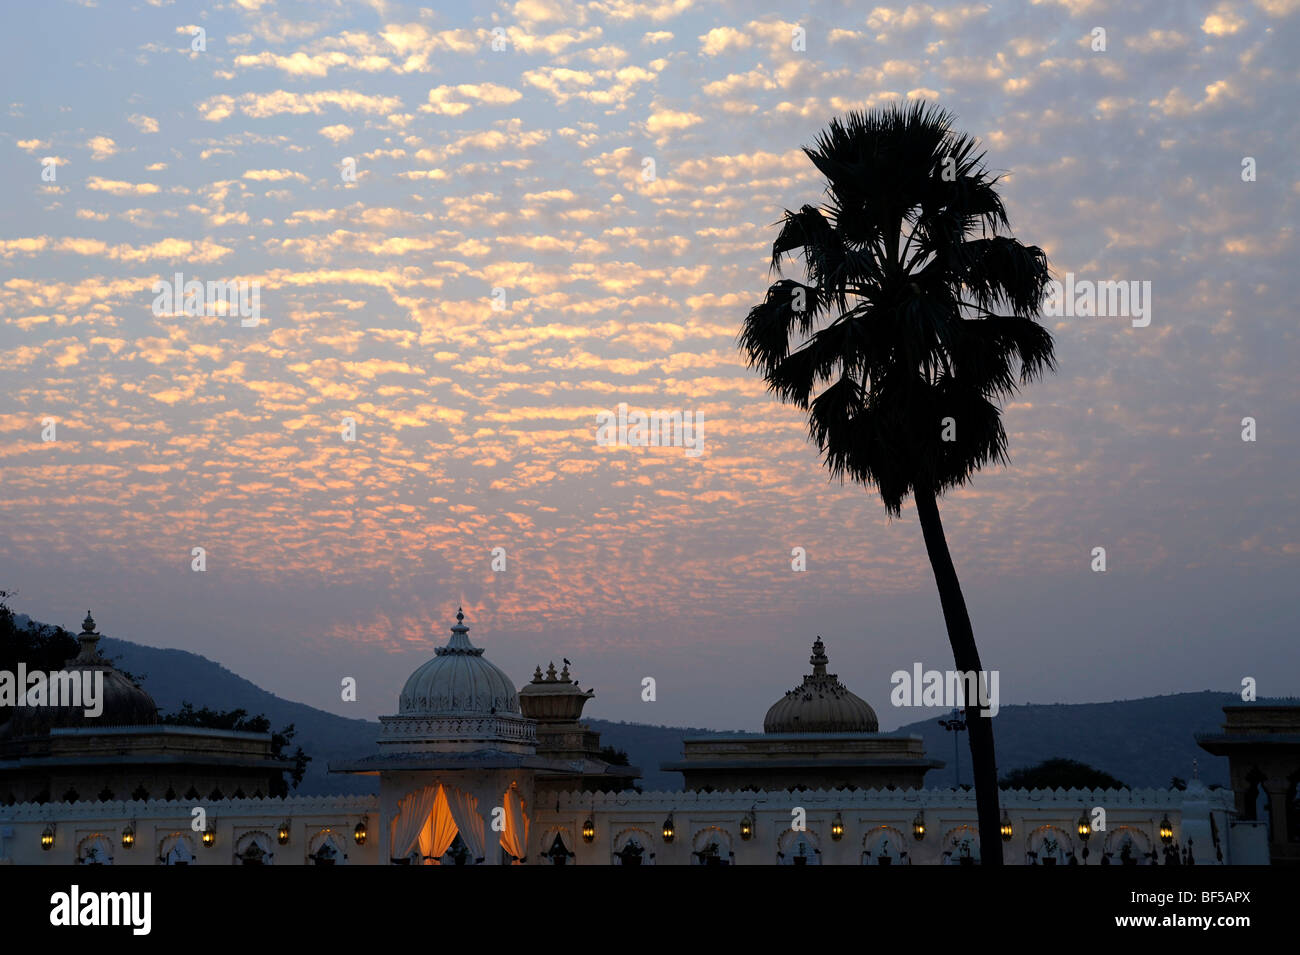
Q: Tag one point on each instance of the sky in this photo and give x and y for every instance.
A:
(471, 253)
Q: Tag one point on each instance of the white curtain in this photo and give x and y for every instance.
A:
(412, 812)
(439, 830)
(515, 836)
(464, 810)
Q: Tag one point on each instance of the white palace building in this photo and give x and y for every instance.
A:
(473, 771)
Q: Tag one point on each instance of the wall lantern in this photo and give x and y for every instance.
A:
(359, 833)
(47, 837)
(1166, 830)
(128, 836)
(1007, 831)
(747, 827)
(588, 830)
(837, 828)
(282, 834)
(210, 835)
(669, 830)
(918, 826)
(1084, 829)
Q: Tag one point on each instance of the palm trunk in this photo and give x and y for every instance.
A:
(967, 659)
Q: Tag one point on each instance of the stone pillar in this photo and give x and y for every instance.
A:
(1278, 790)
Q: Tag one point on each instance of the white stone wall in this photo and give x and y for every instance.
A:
(875, 822)
(1038, 818)
(161, 825)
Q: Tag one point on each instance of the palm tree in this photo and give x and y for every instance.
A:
(916, 320)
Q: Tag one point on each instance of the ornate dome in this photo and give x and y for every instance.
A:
(821, 704)
(124, 703)
(458, 681)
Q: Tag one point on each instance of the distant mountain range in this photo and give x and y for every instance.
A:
(1143, 742)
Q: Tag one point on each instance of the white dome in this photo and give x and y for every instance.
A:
(458, 682)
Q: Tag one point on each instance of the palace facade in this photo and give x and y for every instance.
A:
(473, 771)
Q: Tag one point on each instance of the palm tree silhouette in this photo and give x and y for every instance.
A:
(916, 320)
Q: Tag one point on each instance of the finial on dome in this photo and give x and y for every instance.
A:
(564, 674)
(460, 614)
(88, 625)
(537, 675)
(550, 672)
(819, 658)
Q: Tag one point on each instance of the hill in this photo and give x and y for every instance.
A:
(1144, 742)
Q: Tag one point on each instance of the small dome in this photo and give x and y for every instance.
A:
(821, 704)
(458, 681)
(124, 703)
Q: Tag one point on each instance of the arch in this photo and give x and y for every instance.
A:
(1126, 845)
(712, 845)
(327, 847)
(633, 846)
(176, 848)
(961, 846)
(254, 848)
(884, 845)
(556, 846)
(95, 849)
(798, 847)
(1049, 845)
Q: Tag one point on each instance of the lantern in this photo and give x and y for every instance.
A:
(1166, 830)
(1084, 829)
(1006, 827)
(359, 833)
(47, 837)
(837, 828)
(128, 836)
(588, 830)
(283, 833)
(747, 827)
(669, 830)
(210, 835)
(918, 826)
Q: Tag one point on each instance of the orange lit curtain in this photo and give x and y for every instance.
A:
(439, 830)
(412, 812)
(515, 836)
(464, 810)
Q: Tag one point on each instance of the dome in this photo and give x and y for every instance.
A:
(458, 681)
(821, 704)
(124, 703)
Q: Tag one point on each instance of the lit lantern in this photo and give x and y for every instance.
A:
(128, 836)
(1166, 830)
(283, 834)
(918, 826)
(669, 831)
(837, 828)
(359, 833)
(210, 835)
(588, 830)
(1084, 829)
(1006, 827)
(747, 827)
(47, 837)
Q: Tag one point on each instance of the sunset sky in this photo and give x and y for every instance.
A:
(476, 428)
